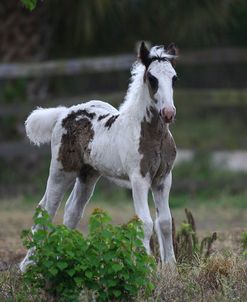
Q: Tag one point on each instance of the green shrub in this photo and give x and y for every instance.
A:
(29, 4)
(111, 261)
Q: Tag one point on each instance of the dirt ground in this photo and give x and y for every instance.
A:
(14, 217)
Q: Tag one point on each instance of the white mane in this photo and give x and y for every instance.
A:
(134, 89)
(159, 52)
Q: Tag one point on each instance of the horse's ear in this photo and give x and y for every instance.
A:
(144, 55)
(172, 50)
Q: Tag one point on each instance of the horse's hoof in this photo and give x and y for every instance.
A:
(24, 264)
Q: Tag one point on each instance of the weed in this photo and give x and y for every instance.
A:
(214, 269)
(218, 278)
(186, 243)
(244, 243)
(12, 287)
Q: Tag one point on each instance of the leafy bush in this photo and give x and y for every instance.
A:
(29, 4)
(111, 261)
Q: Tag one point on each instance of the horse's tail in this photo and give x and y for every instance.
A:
(40, 123)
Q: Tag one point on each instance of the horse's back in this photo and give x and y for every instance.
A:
(77, 128)
(95, 107)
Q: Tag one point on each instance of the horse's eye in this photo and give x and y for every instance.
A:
(153, 81)
(174, 80)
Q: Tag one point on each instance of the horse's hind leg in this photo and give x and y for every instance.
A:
(57, 184)
(79, 197)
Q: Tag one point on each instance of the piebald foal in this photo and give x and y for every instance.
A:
(131, 146)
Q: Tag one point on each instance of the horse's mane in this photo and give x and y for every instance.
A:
(134, 89)
(158, 52)
(137, 74)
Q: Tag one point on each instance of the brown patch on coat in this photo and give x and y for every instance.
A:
(150, 89)
(74, 144)
(110, 121)
(84, 112)
(148, 112)
(152, 92)
(145, 76)
(157, 147)
(101, 117)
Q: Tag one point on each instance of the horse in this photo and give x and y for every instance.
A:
(132, 146)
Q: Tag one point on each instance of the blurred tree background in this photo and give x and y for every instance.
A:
(92, 27)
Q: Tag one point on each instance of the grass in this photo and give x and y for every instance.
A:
(199, 178)
(16, 215)
(210, 119)
(222, 276)
(192, 180)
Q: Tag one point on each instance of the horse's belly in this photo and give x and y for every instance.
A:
(105, 158)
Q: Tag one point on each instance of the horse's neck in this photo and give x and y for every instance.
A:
(138, 109)
(136, 106)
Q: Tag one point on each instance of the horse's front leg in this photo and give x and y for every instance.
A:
(140, 188)
(163, 223)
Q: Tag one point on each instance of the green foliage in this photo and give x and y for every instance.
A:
(111, 261)
(29, 4)
(244, 243)
(83, 21)
(82, 24)
(14, 90)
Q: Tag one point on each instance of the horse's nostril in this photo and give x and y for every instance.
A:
(169, 114)
(168, 119)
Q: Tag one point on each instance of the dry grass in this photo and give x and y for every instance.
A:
(220, 278)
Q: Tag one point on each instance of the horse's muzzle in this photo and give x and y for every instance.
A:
(168, 114)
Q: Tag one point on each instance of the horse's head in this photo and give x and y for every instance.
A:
(160, 77)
